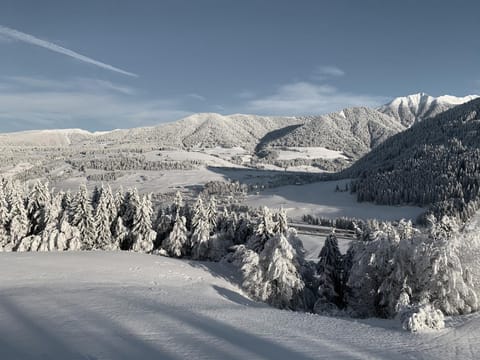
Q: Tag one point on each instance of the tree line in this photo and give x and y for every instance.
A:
(391, 270)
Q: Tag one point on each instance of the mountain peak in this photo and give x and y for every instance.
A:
(417, 107)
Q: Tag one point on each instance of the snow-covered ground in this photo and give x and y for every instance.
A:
(290, 153)
(320, 199)
(101, 305)
(208, 158)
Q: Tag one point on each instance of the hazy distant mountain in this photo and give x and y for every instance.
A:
(413, 108)
(436, 161)
(354, 131)
(198, 130)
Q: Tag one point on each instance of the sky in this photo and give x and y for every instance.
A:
(104, 64)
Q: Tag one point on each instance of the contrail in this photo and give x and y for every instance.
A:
(20, 36)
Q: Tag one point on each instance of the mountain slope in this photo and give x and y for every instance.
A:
(198, 130)
(355, 131)
(436, 161)
(417, 107)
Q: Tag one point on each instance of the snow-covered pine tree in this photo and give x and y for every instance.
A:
(19, 224)
(142, 234)
(283, 285)
(372, 263)
(129, 207)
(445, 283)
(69, 234)
(200, 240)
(4, 219)
(96, 193)
(103, 221)
(281, 222)
(120, 234)
(83, 218)
(49, 235)
(177, 241)
(211, 213)
(395, 287)
(200, 231)
(263, 232)
(178, 204)
(329, 270)
(37, 200)
(253, 277)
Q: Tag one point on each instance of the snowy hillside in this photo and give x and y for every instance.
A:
(113, 305)
(198, 130)
(412, 108)
(435, 162)
(353, 131)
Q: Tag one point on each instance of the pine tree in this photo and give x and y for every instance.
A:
(211, 213)
(83, 218)
(200, 231)
(143, 235)
(445, 283)
(176, 243)
(4, 219)
(281, 223)
(178, 204)
(120, 234)
(264, 231)
(19, 225)
(200, 240)
(38, 199)
(103, 222)
(329, 269)
(50, 232)
(283, 284)
(253, 277)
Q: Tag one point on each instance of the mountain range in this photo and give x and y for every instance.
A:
(353, 131)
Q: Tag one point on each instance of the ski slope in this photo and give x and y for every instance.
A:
(120, 305)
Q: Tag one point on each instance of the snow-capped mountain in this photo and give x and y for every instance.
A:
(197, 130)
(412, 108)
(436, 161)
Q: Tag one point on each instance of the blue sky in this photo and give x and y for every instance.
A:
(103, 64)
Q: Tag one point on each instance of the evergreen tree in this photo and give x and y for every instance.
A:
(264, 231)
(19, 224)
(38, 199)
(103, 221)
(283, 285)
(176, 243)
(329, 269)
(120, 234)
(142, 234)
(211, 213)
(83, 218)
(200, 231)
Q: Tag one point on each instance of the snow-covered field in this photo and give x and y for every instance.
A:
(290, 153)
(101, 305)
(321, 200)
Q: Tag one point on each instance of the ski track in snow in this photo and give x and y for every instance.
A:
(123, 305)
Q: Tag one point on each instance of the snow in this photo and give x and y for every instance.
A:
(290, 153)
(121, 305)
(454, 100)
(314, 243)
(320, 200)
(181, 155)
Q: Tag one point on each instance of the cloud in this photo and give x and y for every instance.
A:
(196, 97)
(306, 98)
(13, 34)
(324, 72)
(39, 103)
